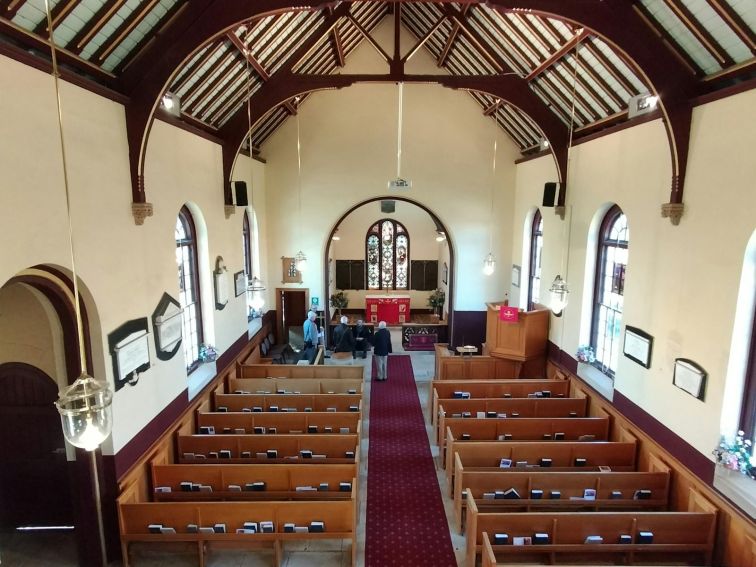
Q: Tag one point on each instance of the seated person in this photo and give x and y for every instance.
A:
(362, 338)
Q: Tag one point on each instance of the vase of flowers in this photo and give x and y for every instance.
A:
(736, 454)
(339, 301)
(207, 353)
(436, 301)
(586, 354)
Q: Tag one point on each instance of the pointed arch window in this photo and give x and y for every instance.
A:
(536, 250)
(189, 291)
(247, 245)
(609, 290)
(387, 255)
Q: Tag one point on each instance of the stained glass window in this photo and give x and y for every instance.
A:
(609, 290)
(387, 256)
(536, 249)
(186, 259)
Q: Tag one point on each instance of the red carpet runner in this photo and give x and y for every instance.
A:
(406, 522)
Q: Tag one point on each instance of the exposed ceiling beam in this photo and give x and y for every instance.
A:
(94, 25)
(735, 23)
(460, 18)
(338, 47)
(701, 33)
(369, 38)
(58, 13)
(448, 45)
(557, 55)
(126, 27)
(8, 8)
(423, 39)
(264, 75)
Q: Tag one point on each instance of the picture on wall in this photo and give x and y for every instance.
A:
(240, 283)
(690, 377)
(637, 346)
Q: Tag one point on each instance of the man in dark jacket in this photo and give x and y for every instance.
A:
(362, 337)
(343, 340)
(381, 350)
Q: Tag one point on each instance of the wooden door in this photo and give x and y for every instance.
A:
(291, 304)
(34, 483)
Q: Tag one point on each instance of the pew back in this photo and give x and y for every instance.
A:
(299, 402)
(295, 385)
(298, 422)
(297, 371)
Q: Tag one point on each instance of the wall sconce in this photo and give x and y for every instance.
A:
(440, 236)
(543, 144)
(336, 235)
(559, 291)
(171, 104)
(641, 104)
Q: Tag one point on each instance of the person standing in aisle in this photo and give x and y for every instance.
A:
(310, 332)
(381, 350)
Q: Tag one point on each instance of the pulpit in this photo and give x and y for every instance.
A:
(394, 309)
(520, 339)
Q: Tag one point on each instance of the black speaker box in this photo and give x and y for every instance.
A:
(388, 206)
(549, 194)
(240, 188)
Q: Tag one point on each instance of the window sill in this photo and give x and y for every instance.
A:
(254, 325)
(597, 379)
(738, 488)
(200, 378)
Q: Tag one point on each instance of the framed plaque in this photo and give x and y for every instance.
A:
(289, 272)
(637, 346)
(240, 283)
(690, 377)
(167, 321)
(129, 348)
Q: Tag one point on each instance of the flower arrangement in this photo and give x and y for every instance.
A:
(437, 298)
(585, 353)
(207, 353)
(339, 301)
(736, 454)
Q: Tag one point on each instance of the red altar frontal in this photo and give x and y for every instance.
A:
(394, 309)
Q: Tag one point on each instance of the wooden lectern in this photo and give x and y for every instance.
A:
(523, 341)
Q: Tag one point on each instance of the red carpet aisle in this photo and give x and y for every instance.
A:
(406, 523)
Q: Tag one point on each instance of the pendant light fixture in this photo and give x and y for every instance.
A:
(300, 260)
(399, 182)
(489, 264)
(84, 406)
(256, 287)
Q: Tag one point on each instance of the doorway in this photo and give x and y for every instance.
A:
(291, 310)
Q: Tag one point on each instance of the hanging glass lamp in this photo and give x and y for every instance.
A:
(489, 264)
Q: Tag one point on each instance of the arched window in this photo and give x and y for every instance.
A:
(536, 249)
(387, 255)
(247, 246)
(609, 290)
(748, 411)
(189, 296)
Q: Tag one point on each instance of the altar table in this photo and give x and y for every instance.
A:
(394, 309)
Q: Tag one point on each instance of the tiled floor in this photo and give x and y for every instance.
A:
(59, 551)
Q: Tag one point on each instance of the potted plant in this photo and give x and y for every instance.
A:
(339, 301)
(736, 455)
(436, 301)
(586, 354)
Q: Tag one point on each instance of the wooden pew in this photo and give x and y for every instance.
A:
(524, 407)
(685, 538)
(281, 482)
(288, 447)
(571, 485)
(444, 389)
(521, 429)
(297, 371)
(484, 456)
(339, 518)
(284, 422)
(295, 385)
(299, 402)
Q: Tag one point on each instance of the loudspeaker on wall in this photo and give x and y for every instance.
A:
(550, 194)
(240, 189)
(388, 206)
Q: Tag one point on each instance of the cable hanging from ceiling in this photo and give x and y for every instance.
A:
(489, 264)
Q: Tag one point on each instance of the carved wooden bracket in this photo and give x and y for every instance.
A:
(559, 210)
(141, 211)
(673, 211)
(229, 210)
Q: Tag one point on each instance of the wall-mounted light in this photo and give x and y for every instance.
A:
(641, 104)
(543, 144)
(440, 236)
(336, 235)
(559, 292)
(171, 103)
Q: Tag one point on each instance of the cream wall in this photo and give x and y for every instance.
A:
(348, 141)
(682, 281)
(124, 268)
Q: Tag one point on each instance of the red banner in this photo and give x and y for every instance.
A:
(509, 314)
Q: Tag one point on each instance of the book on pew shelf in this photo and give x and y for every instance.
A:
(500, 539)
(457, 395)
(589, 494)
(521, 464)
(258, 486)
(328, 430)
(308, 409)
(510, 494)
(219, 528)
(234, 488)
(505, 463)
(480, 414)
(312, 429)
(246, 454)
(545, 462)
(240, 431)
(243, 531)
(515, 414)
(352, 391)
(573, 414)
(297, 392)
(206, 530)
(507, 395)
(273, 431)
(301, 529)
(258, 430)
(594, 539)
(221, 409)
(465, 437)
(213, 454)
(642, 494)
(188, 455)
(242, 392)
(207, 430)
(536, 494)
(273, 408)
(522, 540)
(465, 395)
(615, 495)
(199, 456)
(317, 526)
(604, 468)
(507, 437)
(280, 391)
(580, 462)
(546, 393)
(331, 409)
(348, 454)
(625, 539)
(491, 414)
(533, 395)
(305, 454)
(288, 528)
(555, 495)
(224, 454)
(345, 487)
(547, 436)
(560, 395)
(192, 528)
(162, 489)
(167, 530)
(250, 526)
(271, 453)
(196, 487)
(330, 392)
(205, 488)
(305, 489)
(154, 528)
(645, 537)
(343, 430)
(323, 487)
(559, 436)
(314, 456)
(185, 486)
(226, 430)
(586, 438)
(488, 495)
(267, 527)
(540, 538)
(466, 414)
(257, 409)
(246, 410)
(354, 408)
(501, 415)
